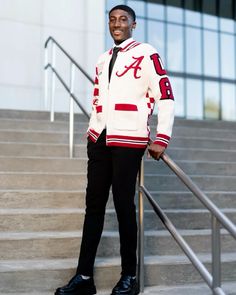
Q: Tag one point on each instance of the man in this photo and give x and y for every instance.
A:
(118, 135)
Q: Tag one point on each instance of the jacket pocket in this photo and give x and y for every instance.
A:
(126, 117)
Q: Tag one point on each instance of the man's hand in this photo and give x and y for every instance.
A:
(156, 150)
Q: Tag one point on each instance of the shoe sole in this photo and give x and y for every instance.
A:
(135, 292)
(91, 291)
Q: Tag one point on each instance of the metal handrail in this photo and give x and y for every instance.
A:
(69, 88)
(213, 280)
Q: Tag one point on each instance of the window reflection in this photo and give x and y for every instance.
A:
(192, 18)
(112, 3)
(228, 102)
(175, 14)
(138, 7)
(227, 25)
(175, 48)
(211, 54)
(211, 100)
(227, 56)
(210, 22)
(156, 37)
(155, 11)
(139, 32)
(193, 51)
(194, 99)
(178, 90)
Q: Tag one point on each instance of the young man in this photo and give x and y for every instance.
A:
(118, 135)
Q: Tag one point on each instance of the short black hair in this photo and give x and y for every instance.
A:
(125, 8)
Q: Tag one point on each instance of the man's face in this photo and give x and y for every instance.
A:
(121, 25)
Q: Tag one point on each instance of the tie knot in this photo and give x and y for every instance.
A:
(116, 49)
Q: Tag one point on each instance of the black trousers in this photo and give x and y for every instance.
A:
(117, 167)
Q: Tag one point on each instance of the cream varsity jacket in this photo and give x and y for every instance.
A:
(124, 105)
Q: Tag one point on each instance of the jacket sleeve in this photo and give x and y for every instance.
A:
(160, 87)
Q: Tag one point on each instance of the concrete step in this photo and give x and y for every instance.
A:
(40, 150)
(59, 137)
(28, 136)
(193, 167)
(45, 115)
(35, 199)
(38, 115)
(22, 164)
(196, 289)
(210, 132)
(206, 142)
(186, 200)
(204, 182)
(217, 124)
(78, 181)
(201, 154)
(63, 126)
(30, 275)
(59, 245)
(28, 220)
(62, 150)
(42, 181)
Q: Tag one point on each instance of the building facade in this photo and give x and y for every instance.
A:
(197, 42)
(195, 38)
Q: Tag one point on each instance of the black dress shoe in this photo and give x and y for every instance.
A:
(126, 285)
(78, 286)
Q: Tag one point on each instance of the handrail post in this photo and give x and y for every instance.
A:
(45, 78)
(141, 231)
(71, 127)
(53, 83)
(216, 254)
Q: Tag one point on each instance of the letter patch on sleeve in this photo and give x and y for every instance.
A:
(165, 88)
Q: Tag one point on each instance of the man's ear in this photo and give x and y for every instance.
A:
(134, 25)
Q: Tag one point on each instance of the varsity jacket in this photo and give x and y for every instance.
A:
(124, 106)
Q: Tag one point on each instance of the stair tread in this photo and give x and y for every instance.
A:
(66, 263)
(106, 233)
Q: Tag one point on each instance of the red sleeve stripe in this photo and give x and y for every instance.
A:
(161, 143)
(163, 136)
(99, 109)
(96, 81)
(96, 92)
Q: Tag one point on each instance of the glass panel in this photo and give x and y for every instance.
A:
(156, 37)
(175, 14)
(178, 90)
(193, 51)
(138, 7)
(155, 11)
(112, 3)
(139, 32)
(212, 100)
(108, 41)
(227, 56)
(194, 99)
(211, 54)
(227, 25)
(228, 102)
(192, 18)
(210, 22)
(175, 48)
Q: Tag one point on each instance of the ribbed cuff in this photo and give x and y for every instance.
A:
(162, 139)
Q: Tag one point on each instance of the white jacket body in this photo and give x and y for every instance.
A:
(124, 105)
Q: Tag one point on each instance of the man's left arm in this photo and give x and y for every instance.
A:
(161, 88)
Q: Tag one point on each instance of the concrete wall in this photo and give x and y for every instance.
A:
(24, 26)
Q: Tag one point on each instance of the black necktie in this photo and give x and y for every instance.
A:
(113, 59)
